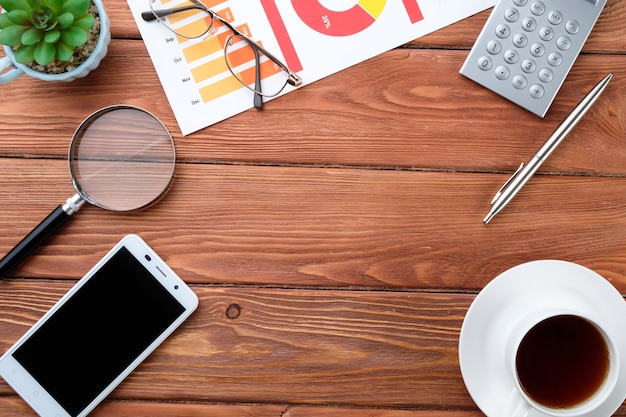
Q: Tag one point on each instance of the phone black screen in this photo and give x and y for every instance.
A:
(98, 332)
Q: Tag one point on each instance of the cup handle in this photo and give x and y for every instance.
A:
(516, 406)
(10, 75)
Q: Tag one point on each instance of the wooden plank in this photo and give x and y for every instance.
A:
(14, 407)
(288, 346)
(324, 348)
(355, 118)
(329, 227)
(606, 36)
(346, 412)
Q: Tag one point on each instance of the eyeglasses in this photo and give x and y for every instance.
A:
(195, 20)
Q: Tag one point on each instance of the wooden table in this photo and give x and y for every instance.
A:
(335, 238)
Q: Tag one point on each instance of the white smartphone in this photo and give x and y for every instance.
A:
(98, 332)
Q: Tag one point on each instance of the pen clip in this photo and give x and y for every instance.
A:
(499, 193)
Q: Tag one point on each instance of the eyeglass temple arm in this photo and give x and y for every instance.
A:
(158, 14)
(258, 98)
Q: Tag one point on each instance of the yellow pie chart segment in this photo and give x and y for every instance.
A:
(373, 7)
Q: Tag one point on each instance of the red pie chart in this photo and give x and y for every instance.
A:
(338, 23)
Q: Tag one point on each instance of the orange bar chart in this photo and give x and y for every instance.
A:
(203, 49)
(205, 55)
(208, 46)
(209, 70)
(268, 68)
(199, 27)
(230, 84)
(219, 89)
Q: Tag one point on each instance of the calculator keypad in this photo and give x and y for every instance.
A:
(527, 48)
(536, 50)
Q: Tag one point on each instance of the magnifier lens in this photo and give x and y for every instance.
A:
(122, 158)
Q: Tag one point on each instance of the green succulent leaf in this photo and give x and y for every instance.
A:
(36, 4)
(31, 36)
(76, 7)
(25, 54)
(10, 5)
(85, 22)
(66, 20)
(19, 17)
(74, 36)
(64, 52)
(42, 30)
(12, 35)
(52, 36)
(56, 6)
(5, 21)
(44, 53)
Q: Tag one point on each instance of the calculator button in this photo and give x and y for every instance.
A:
(537, 91)
(555, 59)
(503, 31)
(537, 49)
(520, 40)
(527, 47)
(546, 75)
(563, 43)
(494, 47)
(511, 15)
(546, 34)
(529, 24)
(511, 56)
(529, 66)
(555, 17)
(537, 8)
(502, 72)
(485, 63)
(572, 27)
(519, 82)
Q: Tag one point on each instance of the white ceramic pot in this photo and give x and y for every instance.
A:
(10, 70)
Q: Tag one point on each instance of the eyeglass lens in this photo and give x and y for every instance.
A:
(240, 53)
(241, 60)
(187, 21)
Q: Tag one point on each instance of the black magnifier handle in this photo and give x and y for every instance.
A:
(55, 219)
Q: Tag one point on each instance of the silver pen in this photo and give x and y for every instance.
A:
(524, 172)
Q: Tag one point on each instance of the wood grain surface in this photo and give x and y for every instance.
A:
(335, 238)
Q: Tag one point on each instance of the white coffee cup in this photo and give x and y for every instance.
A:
(541, 335)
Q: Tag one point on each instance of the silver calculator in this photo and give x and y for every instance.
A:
(527, 48)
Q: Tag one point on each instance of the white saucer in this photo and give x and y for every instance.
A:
(533, 285)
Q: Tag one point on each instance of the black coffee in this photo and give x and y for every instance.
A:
(562, 361)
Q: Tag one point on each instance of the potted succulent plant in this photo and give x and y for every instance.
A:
(52, 39)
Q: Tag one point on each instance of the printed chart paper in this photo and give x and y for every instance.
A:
(315, 38)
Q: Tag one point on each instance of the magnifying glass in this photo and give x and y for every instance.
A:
(121, 158)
